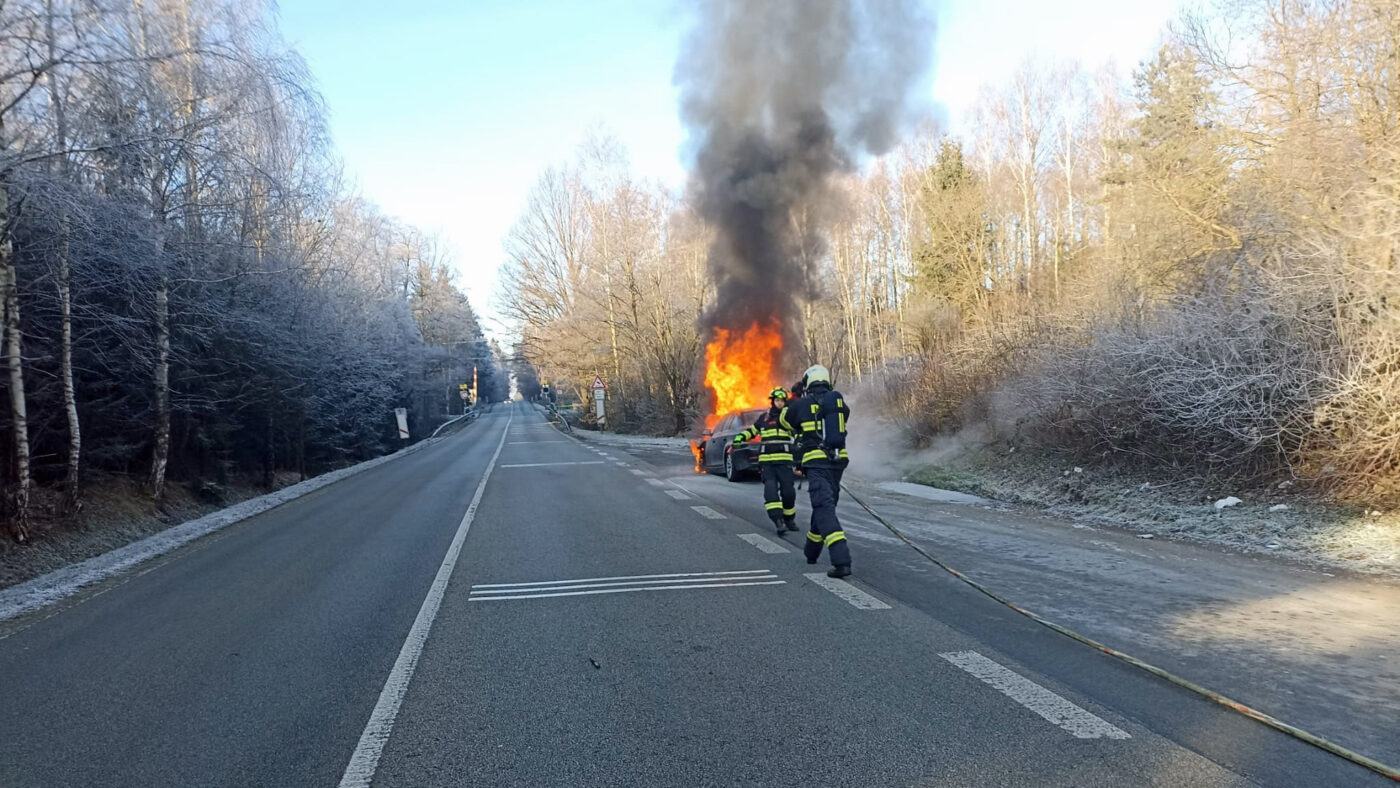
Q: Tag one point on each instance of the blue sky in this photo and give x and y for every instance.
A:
(446, 112)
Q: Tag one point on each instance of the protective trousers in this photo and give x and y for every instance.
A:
(824, 487)
(779, 490)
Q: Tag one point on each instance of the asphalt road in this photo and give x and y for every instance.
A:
(601, 626)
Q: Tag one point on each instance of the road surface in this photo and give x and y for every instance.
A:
(600, 625)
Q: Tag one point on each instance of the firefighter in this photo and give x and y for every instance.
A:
(775, 463)
(817, 421)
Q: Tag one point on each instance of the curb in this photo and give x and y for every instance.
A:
(60, 584)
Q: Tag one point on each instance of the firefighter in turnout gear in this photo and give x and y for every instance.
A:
(817, 421)
(775, 463)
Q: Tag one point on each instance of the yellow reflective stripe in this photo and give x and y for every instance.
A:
(813, 536)
(834, 537)
(808, 426)
(841, 422)
(776, 456)
(774, 505)
(815, 454)
(790, 512)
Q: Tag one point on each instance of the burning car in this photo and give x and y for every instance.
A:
(716, 453)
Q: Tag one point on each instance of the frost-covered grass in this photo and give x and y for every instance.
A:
(635, 441)
(1181, 507)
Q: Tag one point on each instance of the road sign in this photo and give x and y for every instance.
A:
(599, 392)
(402, 415)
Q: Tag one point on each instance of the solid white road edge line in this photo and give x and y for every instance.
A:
(360, 771)
(503, 591)
(848, 592)
(764, 543)
(624, 577)
(626, 590)
(1080, 723)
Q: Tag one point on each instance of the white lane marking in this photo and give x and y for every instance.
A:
(613, 584)
(679, 495)
(638, 472)
(363, 762)
(626, 590)
(623, 577)
(544, 464)
(708, 512)
(765, 544)
(1080, 723)
(656, 483)
(848, 592)
(520, 443)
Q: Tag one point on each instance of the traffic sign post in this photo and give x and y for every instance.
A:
(600, 390)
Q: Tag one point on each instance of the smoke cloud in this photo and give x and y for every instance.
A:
(779, 96)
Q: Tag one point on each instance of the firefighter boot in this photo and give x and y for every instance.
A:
(791, 522)
(840, 570)
(778, 524)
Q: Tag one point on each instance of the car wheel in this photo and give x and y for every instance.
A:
(730, 472)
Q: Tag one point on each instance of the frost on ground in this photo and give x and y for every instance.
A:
(45, 589)
(1274, 519)
(633, 441)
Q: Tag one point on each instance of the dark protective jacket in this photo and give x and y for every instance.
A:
(776, 439)
(817, 420)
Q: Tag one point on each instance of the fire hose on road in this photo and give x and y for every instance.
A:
(1250, 712)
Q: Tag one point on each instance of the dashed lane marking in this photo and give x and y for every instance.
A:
(708, 512)
(1078, 722)
(667, 577)
(656, 482)
(614, 584)
(764, 543)
(627, 590)
(680, 581)
(638, 472)
(679, 495)
(545, 464)
(854, 596)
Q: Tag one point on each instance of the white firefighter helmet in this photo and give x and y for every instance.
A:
(817, 374)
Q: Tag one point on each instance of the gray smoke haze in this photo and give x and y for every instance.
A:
(779, 96)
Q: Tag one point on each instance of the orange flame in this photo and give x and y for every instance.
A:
(739, 368)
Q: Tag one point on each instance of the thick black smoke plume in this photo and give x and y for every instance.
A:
(779, 96)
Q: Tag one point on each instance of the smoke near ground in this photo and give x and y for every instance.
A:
(779, 97)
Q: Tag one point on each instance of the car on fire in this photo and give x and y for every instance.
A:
(716, 453)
